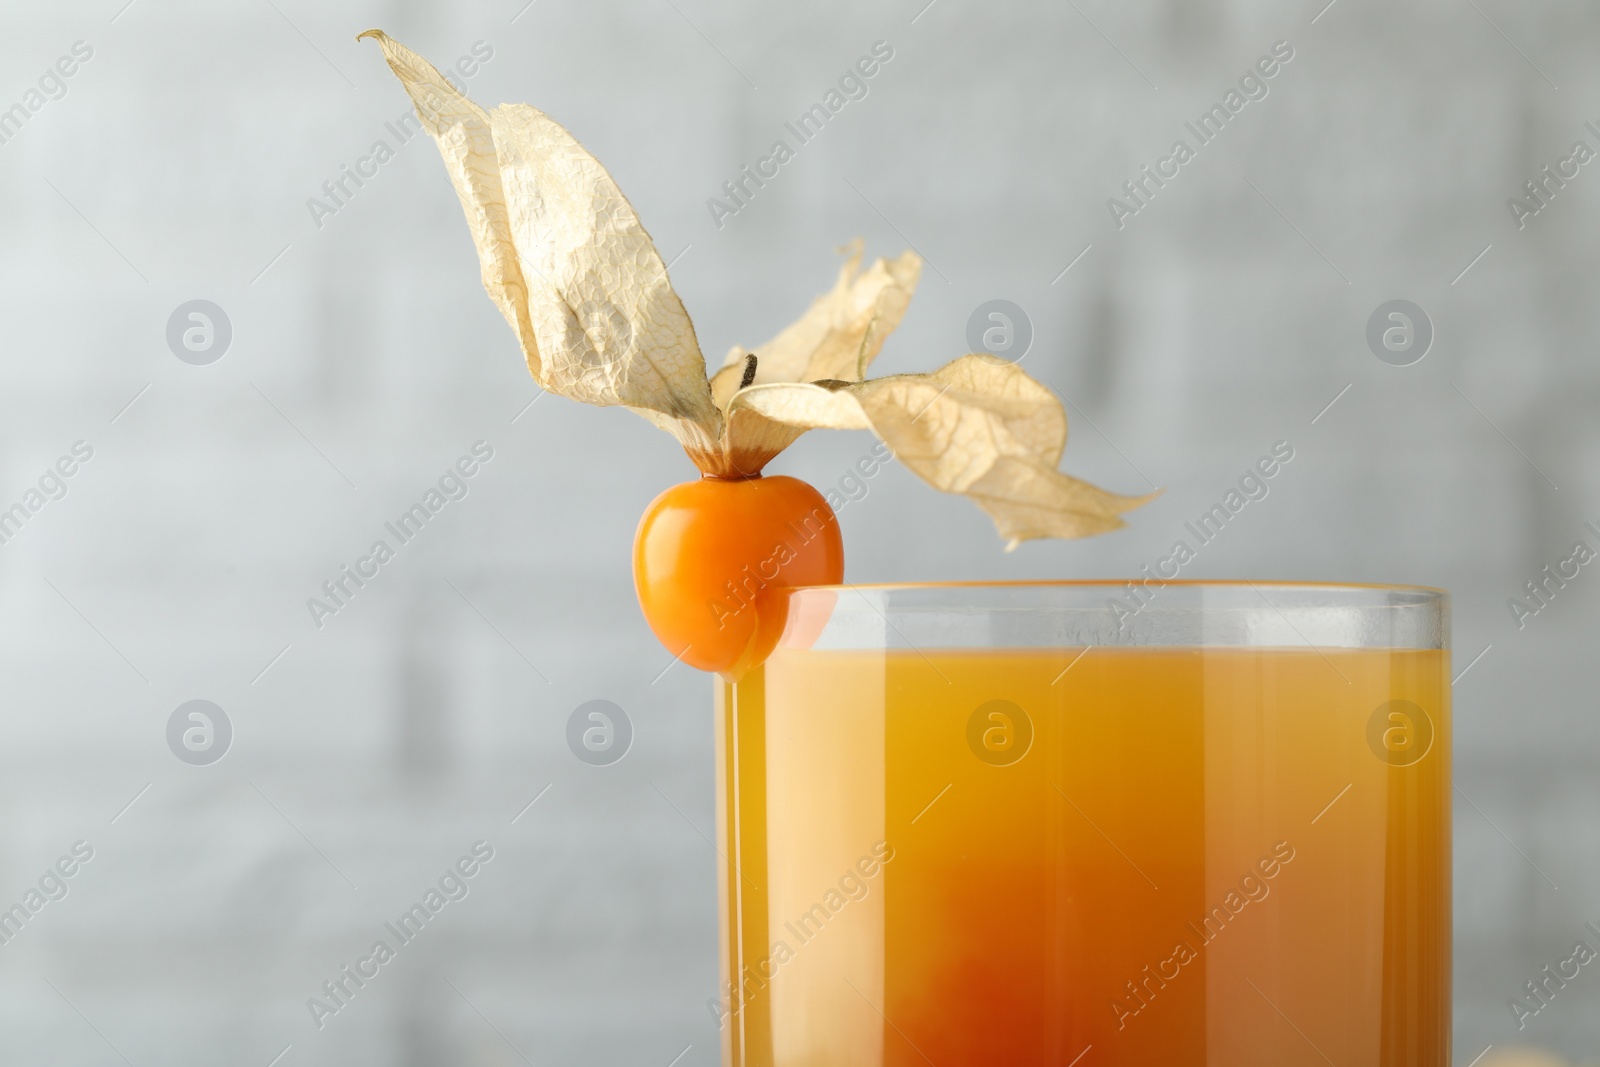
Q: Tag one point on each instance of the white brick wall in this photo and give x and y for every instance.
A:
(407, 728)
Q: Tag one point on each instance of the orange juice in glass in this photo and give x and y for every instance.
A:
(1008, 824)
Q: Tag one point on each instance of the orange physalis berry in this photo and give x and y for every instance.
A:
(713, 558)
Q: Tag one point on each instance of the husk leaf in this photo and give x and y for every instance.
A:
(553, 229)
(978, 426)
(568, 263)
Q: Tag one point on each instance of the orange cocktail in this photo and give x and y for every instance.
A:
(996, 825)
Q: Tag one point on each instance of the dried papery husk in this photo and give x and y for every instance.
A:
(559, 243)
(839, 335)
(570, 266)
(978, 426)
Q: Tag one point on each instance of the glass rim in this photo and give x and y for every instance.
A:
(1118, 583)
(1107, 612)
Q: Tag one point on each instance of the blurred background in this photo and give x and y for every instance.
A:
(347, 357)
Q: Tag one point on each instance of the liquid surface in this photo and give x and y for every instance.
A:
(1124, 857)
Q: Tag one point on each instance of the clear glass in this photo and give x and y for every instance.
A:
(1100, 824)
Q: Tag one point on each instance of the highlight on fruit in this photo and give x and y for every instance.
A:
(566, 260)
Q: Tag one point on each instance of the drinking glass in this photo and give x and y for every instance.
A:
(1091, 824)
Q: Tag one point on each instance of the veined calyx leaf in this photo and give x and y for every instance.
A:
(977, 426)
(567, 261)
(840, 334)
(564, 255)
